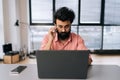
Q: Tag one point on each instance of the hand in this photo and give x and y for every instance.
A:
(52, 33)
(51, 36)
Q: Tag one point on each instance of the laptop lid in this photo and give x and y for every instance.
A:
(62, 64)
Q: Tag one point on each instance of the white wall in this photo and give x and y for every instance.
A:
(24, 19)
(17, 35)
(1, 29)
(12, 32)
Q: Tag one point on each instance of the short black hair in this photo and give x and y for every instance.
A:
(64, 14)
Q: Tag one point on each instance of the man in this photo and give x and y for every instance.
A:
(60, 36)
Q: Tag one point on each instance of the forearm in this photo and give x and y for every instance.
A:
(48, 45)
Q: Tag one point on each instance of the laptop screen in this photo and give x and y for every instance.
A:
(62, 64)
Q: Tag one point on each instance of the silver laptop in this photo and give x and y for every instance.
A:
(66, 64)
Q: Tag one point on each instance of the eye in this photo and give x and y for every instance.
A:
(67, 26)
(60, 26)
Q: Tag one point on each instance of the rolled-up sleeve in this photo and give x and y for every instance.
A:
(81, 44)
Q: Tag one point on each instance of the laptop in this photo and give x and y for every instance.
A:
(65, 64)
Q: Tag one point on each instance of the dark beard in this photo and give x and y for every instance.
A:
(63, 35)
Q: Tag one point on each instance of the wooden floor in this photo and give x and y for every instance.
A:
(97, 59)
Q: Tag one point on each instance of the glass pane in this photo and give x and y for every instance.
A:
(90, 11)
(37, 34)
(72, 4)
(111, 37)
(42, 11)
(74, 29)
(112, 12)
(91, 35)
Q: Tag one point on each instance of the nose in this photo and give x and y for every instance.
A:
(63, 29)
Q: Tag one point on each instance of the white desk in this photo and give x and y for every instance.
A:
(95, 72)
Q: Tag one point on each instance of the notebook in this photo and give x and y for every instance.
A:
(66, 64)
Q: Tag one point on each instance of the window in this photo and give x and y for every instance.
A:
(73, 4)
(94, 20)
(93, 40)
(41, 11)
(112, 12)
(111, 37)
(90, 11)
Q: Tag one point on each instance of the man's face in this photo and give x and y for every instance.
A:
(63, 29)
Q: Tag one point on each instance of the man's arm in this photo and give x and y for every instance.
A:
(47, 46)
(47, 41)
(81, 46)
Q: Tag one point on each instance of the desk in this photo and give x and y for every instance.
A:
(95, 72)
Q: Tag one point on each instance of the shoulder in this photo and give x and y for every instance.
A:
(74, 35)
(45, 37)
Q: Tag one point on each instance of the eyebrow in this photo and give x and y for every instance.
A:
(65, 25)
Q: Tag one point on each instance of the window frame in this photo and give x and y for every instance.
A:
(79, 10)
(102, 18)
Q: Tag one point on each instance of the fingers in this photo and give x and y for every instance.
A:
(52, 33)
(53, 29)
